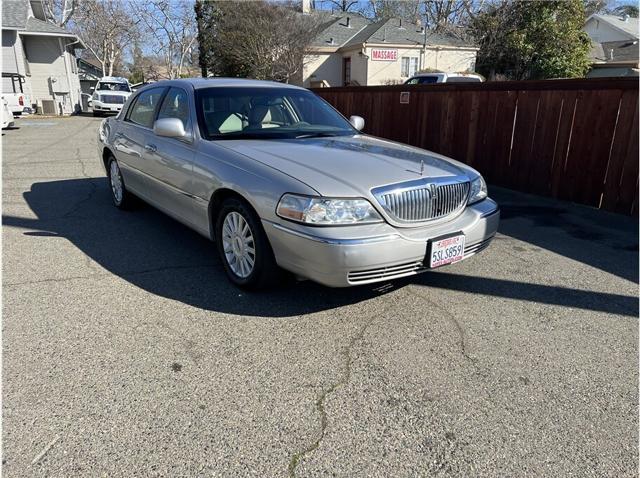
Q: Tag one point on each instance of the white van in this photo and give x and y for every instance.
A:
(427, 78)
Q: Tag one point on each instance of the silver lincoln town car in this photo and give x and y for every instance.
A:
(280, 180)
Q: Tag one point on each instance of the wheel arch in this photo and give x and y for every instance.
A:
(106, 154)
(215, 203)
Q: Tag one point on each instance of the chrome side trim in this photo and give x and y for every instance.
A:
(326, 240)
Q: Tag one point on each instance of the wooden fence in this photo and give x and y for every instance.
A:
(575, 140)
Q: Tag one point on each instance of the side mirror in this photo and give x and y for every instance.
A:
(357, 122)
(169, 127)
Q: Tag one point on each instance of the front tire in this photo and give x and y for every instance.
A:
(122, 198)
(244, 248)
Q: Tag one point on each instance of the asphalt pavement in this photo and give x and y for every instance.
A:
(126, 352)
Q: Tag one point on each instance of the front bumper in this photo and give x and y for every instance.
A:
(353, 255)
(106, 107)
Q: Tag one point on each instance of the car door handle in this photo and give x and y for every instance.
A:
(152, 148)
(125, 150)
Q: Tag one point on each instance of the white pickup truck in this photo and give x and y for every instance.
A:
(18, 102)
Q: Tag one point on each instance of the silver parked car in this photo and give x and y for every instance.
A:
(280, 180)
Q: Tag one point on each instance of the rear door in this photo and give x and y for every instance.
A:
(130, 140)
(169, 161)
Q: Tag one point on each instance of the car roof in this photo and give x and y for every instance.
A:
(200, 83)
(114, 79)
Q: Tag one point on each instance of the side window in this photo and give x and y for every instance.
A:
(176, 105)
(143, 110)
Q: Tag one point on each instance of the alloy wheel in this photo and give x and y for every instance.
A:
(238, 244)
(116, 182)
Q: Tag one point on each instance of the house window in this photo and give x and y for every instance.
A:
(408, 66)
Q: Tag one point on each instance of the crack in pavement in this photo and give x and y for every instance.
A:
(320, 401)
(459, 329)
(92, 192)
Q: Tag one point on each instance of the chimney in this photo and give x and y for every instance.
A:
(348, 22)
(384, 34)
(611, 54)
(306, 7)
(400, 24)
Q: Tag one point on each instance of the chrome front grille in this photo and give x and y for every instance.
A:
(113, 99)
(423, 200)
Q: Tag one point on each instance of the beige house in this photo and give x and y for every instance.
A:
(39, 58)
(352, 50)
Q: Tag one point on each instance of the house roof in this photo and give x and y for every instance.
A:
(334, 30)
(14, 14)
(617, 51)
(90, 60)
(33, 25)
(630, 26)
(393, 31)
(400, 32)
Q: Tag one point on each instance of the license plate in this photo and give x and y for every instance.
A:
(446, 250)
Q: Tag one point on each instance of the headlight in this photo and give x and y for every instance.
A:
(326, 211)
(478, 190)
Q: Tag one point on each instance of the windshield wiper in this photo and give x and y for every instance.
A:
(317, 134)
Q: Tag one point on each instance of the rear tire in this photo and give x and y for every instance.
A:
(122, 199)
(244, 248)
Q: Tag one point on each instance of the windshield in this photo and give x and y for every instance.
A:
(109, 86)
(266, 112)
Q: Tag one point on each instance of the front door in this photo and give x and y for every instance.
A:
(130, 140)
(170, 160)
(346, 71)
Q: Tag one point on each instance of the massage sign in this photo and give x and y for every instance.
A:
(384, 54)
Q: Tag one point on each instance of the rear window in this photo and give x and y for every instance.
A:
(112, 86)
(464, 79)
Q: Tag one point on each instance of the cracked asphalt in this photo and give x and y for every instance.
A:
(127, 353)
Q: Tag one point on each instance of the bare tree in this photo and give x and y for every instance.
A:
(59, 12)
(382, 9)
(106, 28)
(263, 40)
(449, 15)
(171, 26)
(343, 5)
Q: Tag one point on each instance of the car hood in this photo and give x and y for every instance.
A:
(113, 93)
(348, 165)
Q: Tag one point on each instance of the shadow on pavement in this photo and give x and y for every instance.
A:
(603, 240)
(156, 253)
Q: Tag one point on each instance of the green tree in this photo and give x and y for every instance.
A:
(208, 16)
(136, 69)
(532, 40)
